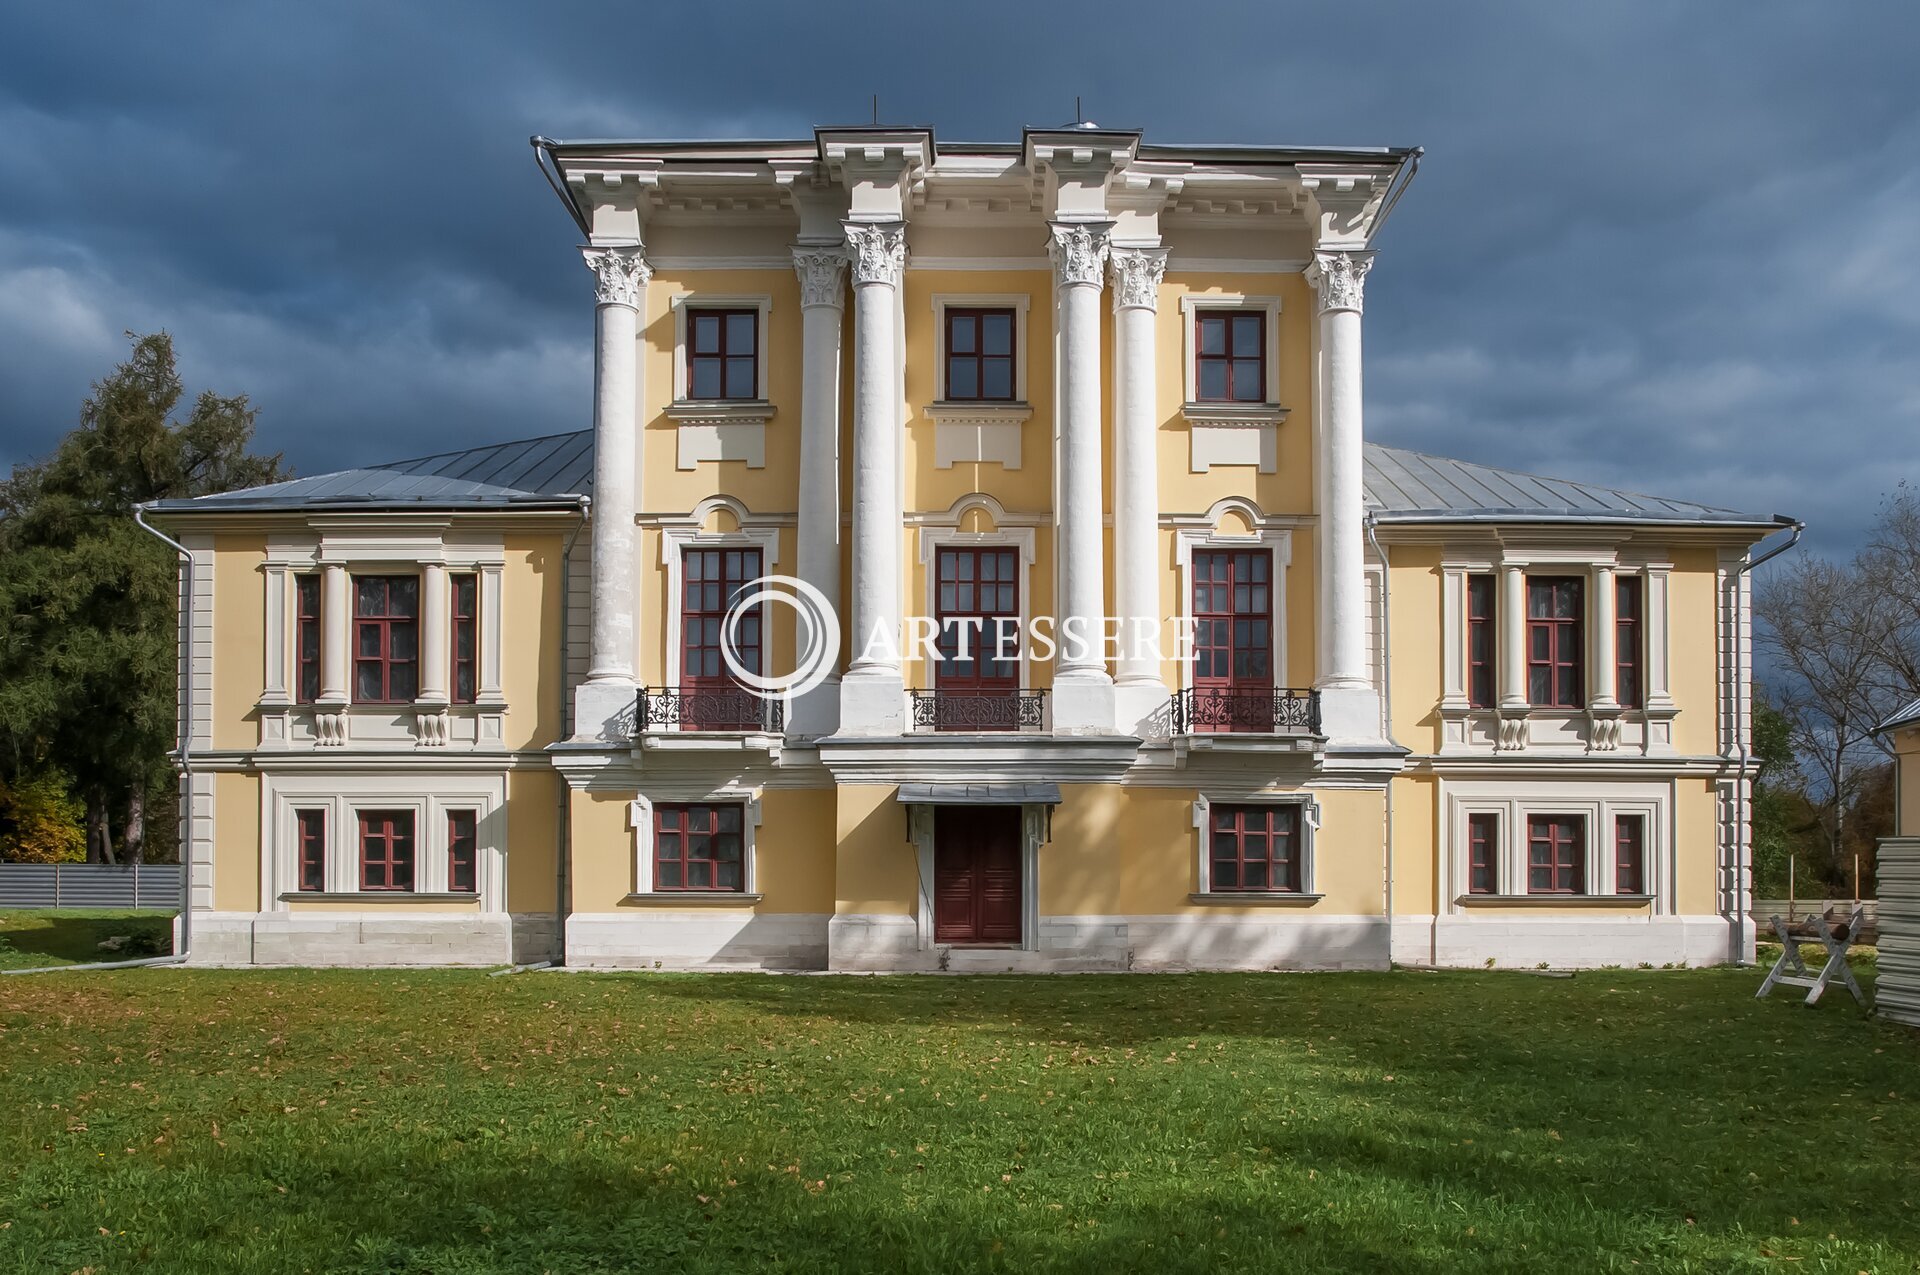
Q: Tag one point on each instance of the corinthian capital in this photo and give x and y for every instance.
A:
(822, 271)
(878, 251)
(1340, 278)
(1136, 277)
(620, 275)
(1079, 252)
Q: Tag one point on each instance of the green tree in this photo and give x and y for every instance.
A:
(88, 626)
(1777, 799)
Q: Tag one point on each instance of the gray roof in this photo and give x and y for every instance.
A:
(1401, 486)
(1908, 716)
(1404, 486)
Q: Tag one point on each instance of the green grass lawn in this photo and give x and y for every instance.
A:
(451, 1122)
(72, 936)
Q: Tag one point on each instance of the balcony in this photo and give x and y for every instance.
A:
(1224, 711)
(979, 711)
(716, 709)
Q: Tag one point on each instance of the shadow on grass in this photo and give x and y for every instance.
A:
(73, 936)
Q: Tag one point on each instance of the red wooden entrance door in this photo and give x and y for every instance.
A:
(976, 874)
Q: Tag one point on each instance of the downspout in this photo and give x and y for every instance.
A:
(1386, 722)
(183, 758)
(543, 156)
(1403, 174)
(563, 848)
(1742, 733)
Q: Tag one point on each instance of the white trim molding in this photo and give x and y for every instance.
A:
(677, 535)
(640, 823)
(1203, 533)
(1231, 433)
(942, 531)
(1598, 803)
(980, 431)
(720, 429)
(1203, 859)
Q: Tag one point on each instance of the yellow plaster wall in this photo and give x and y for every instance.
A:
(601, 874)
(236, 843)
(875, 867)
(775, 487)
(794, 850)
(1416, 841)
(533, 649)
(1906, 808)
(1693, 651)
(1414, 582)
(239, 638)
(533, 832)
(1696, 844)
(1095, 834)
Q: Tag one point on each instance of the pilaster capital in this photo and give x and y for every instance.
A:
(1079, 252)
(1340, 277)
(877, 251)
(620, 275)
(823, 274)
(1137, 273)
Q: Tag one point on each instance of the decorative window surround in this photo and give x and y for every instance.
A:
(1036, 827)
(1598, 802)
(370, 546)
(942, 531)
(981, 431)
(1514, 726)
(640, 823)
(1232, 433)
(720, 429)
(430, 797)
(1272, 534)
(677, 535)
(1203, 859)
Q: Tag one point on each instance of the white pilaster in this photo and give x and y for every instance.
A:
(872, 694)
(435, 641)
(823, 273)
(603, 702)
(1083, 701)
(1138, 686)
(1349, 702)
(336, 611)
(1512, 657)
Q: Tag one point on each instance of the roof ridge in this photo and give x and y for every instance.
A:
(461, 451)
(1550, 478)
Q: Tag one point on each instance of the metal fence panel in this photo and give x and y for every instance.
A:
(1897, 870)
(90, 885)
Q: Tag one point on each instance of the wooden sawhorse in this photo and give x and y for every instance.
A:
(1790, 971)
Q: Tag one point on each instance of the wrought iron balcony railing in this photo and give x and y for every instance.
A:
(979, 710)
(1201, 710)
(716, 709)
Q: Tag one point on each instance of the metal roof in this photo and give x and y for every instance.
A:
(1908, 716)
(1404, 486)
(1401, 487)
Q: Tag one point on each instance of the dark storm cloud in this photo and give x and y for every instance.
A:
(1657, 246)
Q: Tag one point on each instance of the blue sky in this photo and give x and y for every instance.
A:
(1665, 246)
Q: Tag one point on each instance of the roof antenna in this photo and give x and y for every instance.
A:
(876, 110)
(1079, 116)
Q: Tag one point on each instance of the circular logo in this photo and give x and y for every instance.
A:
(816, 635)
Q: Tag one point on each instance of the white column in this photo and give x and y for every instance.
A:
(336, 610)
(604, 702)
(1602, 694)
(872, 694)
(1083, 701)
(1349, 702)
(1139, 688)
(435, 641)
(1512, 653)
(823, 273)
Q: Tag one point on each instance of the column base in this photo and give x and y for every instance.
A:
(873, 704)
(604, 710)
(815, 714)
(1084, 704)
(1350, 713)
(1143, 708)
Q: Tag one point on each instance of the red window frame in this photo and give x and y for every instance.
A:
(699, 847)
(1232, 594)
(710, 581)
(387, 850)
(1220, 343)
(463, 851)
(1556, 642)
(465, 595)
(1629, 854)
(310, 829)
(386, 639)
(980, 357)
(306, 638)
(1483, 853)
(983, 583)
(1556, 854)
(1482, 644)
(723, 354)
(1255, 849)
(1628, 617)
